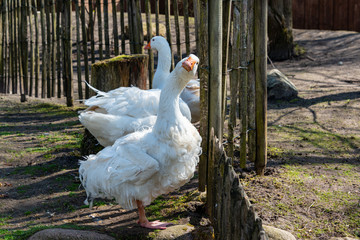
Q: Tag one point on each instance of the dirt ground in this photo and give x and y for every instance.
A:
(312, 183)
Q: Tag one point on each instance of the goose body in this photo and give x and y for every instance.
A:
(129, 108)
(147, 163)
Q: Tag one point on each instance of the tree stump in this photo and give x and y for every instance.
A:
(120, 71)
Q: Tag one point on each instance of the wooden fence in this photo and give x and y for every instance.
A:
(327, 14)
(47, 46)
(43, 45)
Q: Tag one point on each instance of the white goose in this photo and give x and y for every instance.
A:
(111, 115)
(191, 93)
(145, 164)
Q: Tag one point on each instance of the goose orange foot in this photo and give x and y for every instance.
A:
(154, 225)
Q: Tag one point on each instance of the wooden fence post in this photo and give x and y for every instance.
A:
(149, 36)
(260, 48)
(78, 51)
(177, 28)
(24, 47)
(53, 51)
(98, 6)
(106, 28)
(215, 59)
(85, 48)
(68, 70)
(204, 76)
(115, 28)
(135, 27)
(168, 30)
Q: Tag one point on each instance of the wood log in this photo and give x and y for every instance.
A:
(121, 71)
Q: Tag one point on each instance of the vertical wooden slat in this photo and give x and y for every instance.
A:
(341, 8)
(157, 17)
(115, 28)
(326, 13)
(98, 6)
(168, 30)
(85, 48)
(59, 45)
(186, 26)
(43, 47)
(31, 40)
(78, 49)
(177, 29)
(91, 29)
(215, 59)
(204, 76)
(3, 48)
(16, 48)
(149, 35)
(48, 49)
(251, 85)
(122, 26)
(21, 51)
(311, 14)
(24, 47)
(215, 91)
(356, 18)
(68, 71)
(106, 29)
(135, 27)
(11, 50)
(53, 43)
(234, 77)
(196, 7)
(36, 53)
(243, 88)
(260, 48)
(225, 49)
(298, 13)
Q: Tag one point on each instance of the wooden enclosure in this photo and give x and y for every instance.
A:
(48, 47)
(327, 14)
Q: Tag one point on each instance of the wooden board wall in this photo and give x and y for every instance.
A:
(327, 14)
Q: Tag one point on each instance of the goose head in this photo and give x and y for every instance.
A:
(157, 43)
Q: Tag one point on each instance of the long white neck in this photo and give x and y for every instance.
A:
(169, 113)
(163, 67)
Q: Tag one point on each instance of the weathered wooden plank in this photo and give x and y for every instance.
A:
(298, 14)
(106, 29)
(311, 14)
(168, 30)
(215, 59)
(260, 49)
(251, 85)
(225, 57)
(149, 35)
(58, 45)
(196, 8)
(68, 70)
(43, 48)
(186, 26)
(326, 13)
(243, 81)
(204, 76)
(115, 28)
(48, 50)
(135, 27)
(4, 47)
(85, 48)
(177, 28)
(234, 77)
(53, 43)
(341, 13)
(100, 34)
(91, 29)
(36, 53)
(78, 49)
(24, 48)
(157, 17)
(122, 26)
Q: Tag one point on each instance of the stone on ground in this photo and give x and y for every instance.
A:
(279, 86)
(68, 234)
(277, 234)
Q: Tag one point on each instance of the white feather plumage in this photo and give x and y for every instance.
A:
(147, 163)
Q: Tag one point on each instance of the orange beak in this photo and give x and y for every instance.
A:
(148, 46)
(189, 64)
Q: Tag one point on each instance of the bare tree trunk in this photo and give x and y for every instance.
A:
(280, 35)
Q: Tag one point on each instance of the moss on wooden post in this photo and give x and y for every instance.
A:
(120, 71)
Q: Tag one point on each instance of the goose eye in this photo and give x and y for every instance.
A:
(153, 39)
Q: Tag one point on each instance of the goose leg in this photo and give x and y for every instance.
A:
(144, 222)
